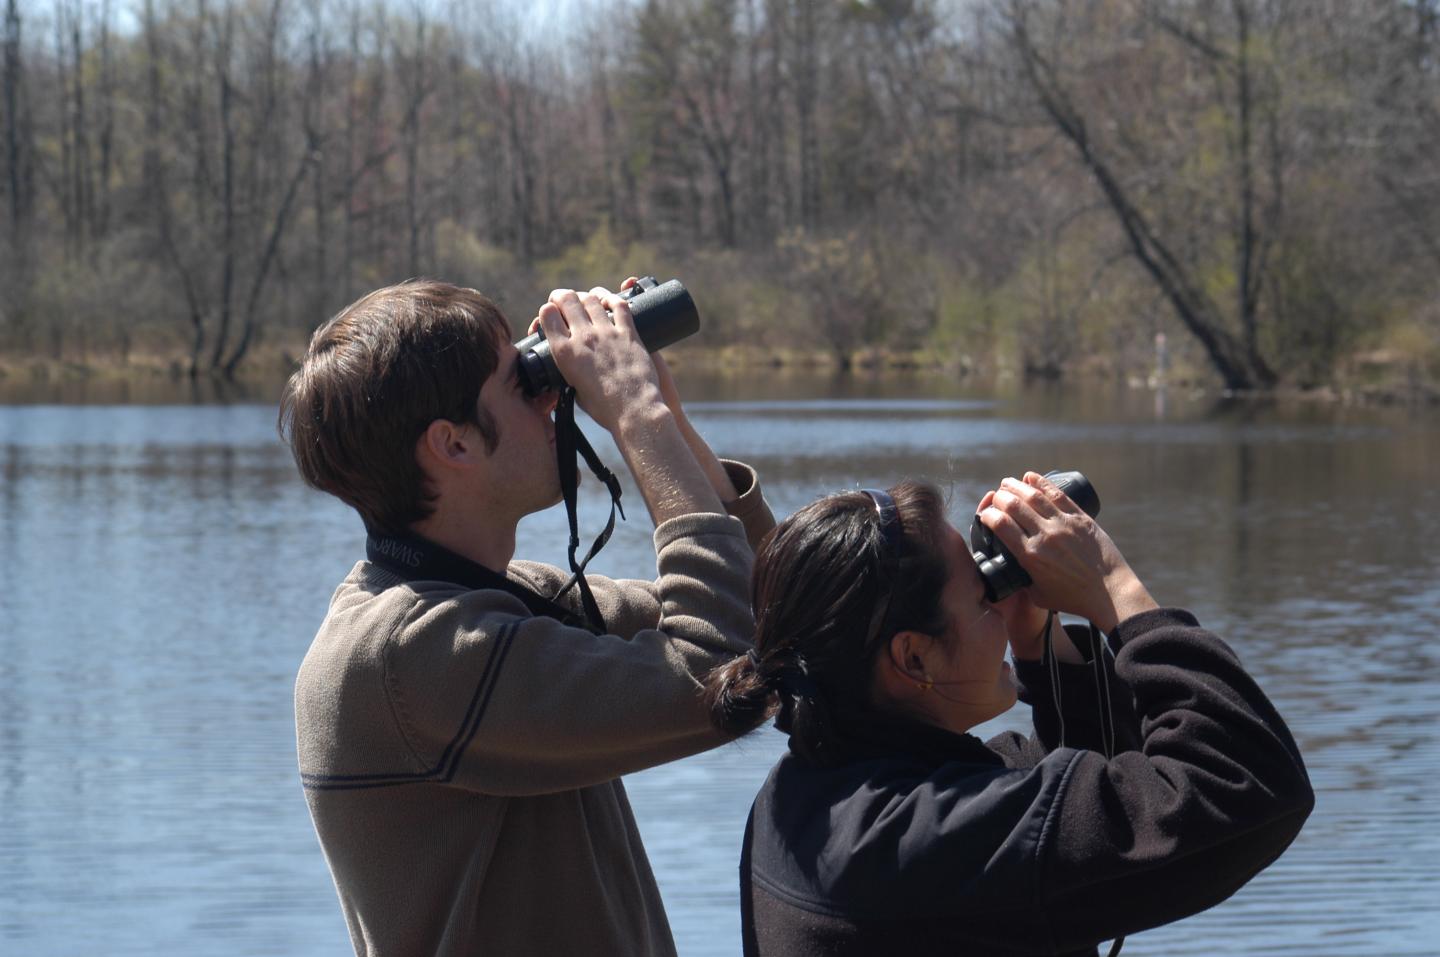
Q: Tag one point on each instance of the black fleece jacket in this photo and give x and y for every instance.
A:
(925, 842)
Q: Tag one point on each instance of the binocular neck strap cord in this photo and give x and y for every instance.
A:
(1098, 651)
(570, 441)
(1052, 666)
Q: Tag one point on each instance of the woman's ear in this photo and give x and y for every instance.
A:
(908, 652)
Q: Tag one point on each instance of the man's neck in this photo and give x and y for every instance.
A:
(471, 535)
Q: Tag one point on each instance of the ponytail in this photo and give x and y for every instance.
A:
(740, 697)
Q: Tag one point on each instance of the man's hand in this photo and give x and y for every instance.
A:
(596, 348)
(595, 345)
(714, 471)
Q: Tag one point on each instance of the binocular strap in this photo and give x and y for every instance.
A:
(1098, 651)
(570, 442)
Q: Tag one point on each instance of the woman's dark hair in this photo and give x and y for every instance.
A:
(828, 592)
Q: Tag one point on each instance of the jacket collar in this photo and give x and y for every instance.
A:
(868, 735)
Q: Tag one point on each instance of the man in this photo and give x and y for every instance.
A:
(460, 736)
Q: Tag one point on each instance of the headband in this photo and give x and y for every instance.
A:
(889, 517)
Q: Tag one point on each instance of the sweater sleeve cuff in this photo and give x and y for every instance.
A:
(750, 508)
(1147, 621)
(697, 525)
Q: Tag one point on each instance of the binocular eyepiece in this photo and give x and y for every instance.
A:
(999, 569)
(664, 313)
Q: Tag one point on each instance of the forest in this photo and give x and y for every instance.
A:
(1043, 186)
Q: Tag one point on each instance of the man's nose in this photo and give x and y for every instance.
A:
(546, 400)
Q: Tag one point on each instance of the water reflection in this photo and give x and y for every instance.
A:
(166, 570)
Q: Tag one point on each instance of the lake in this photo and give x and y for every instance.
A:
(166, 569)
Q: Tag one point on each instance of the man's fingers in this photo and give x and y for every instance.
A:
(552, 321)
(619, 308)
(595, 306)
(568, 302)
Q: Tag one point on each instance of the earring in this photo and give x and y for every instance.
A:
(925, 685)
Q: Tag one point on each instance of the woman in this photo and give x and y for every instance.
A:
(889, 829)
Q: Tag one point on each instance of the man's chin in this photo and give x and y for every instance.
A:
(557, 496)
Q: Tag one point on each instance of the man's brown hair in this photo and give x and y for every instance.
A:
(374, 378)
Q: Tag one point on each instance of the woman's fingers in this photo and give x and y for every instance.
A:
(1051, 493)
(1035, 491)
(1011, 535)
(1018, 501)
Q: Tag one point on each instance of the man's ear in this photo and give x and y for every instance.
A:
(446, 444)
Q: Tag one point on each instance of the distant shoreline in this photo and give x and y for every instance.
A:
(1368, 379)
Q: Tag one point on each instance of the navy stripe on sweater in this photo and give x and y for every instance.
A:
(444, 769)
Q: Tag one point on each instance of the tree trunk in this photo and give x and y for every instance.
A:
(12, 75)
(81, 128)
(262, 271)
(228, 212)
(417, 91)
(100, 205)
(806, 86)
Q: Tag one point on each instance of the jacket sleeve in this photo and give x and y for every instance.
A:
(1215, 792)
(1068, 713)
(502, 703)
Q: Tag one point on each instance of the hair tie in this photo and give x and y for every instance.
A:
(754, 659)
(794, 679)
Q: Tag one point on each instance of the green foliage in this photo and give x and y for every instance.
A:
(842, 280)
(461, 254)
(973, 324)
(602, 260)
(1321, 310)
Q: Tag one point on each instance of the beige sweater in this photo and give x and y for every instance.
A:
(461, 759)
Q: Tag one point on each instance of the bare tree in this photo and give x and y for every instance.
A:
(693, 52)
(1235, 357)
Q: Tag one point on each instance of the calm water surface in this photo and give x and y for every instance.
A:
(165, 571)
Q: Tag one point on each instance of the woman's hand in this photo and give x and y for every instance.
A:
(1025, 623)
(1023, 618)
(1075, 566)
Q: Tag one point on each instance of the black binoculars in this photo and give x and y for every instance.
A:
(664, 313)
(999, 569)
